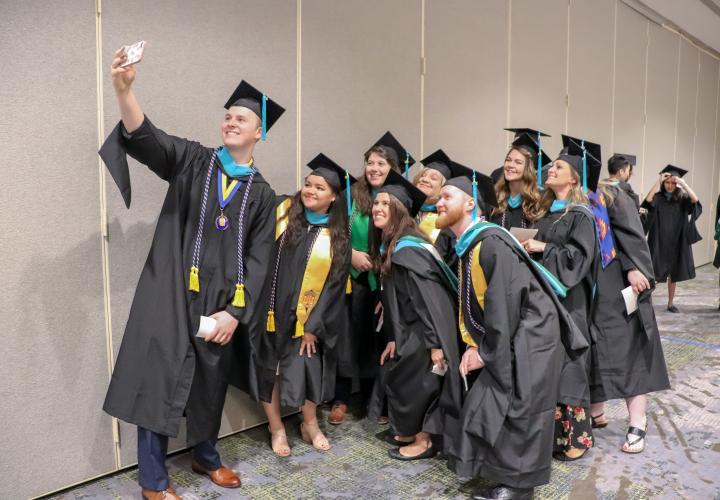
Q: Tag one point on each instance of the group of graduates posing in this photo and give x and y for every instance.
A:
(496, 352)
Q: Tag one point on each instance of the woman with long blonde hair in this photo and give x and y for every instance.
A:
(567, 245)
(517, 191)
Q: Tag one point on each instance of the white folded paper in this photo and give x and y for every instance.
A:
(439, 371)
(523, 234)
(207, 325)
(630, 298)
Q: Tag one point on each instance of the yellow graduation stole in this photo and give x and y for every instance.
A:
(479, 286)
(427, 226)
(316, 273)
(281, 217)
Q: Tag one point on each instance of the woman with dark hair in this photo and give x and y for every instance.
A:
(359, 344)
(303, 297)
(672, 209)
(418, 297)
(566, 244)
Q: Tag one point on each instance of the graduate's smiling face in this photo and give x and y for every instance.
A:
(514, 167)
(316, 194)
(454, 204)
(241, 127)
(381, 210)
(560, 175)
(376, 170)
(430, 182)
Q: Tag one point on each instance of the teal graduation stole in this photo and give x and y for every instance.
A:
(234, 169)
(316, 219)
(558, 205)
(514, 201)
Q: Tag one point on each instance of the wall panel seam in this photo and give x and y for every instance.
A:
(614, 76)
(645, 93)
(422, 78)
(298, 93)
(677, 97)
(567, 70)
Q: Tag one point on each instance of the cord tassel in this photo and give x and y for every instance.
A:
(239, 299)
(194, 284)
(270, 321)
(348, 286)
(299, 330)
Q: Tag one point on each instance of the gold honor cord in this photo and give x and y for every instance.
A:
(479, 286)
(316, 273)
(427, 226)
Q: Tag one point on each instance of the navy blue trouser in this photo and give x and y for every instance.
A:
(152, 450)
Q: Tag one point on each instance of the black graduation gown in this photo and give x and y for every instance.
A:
(419, 314)
(506, 423)
(163, 371)
(511, 217)
(301, 377)
(445, 245)
(627, 355)
(572, 254)
(671, 232)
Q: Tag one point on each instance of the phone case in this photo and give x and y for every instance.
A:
(134, 53)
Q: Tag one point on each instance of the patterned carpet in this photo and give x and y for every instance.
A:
(682, 458)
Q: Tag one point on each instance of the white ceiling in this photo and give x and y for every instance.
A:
(700, 19)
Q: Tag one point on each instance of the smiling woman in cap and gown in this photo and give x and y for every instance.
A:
(567, 245)
(418, 298)
(208, 258)
(672, 209)
(517, 186)
(305, 302)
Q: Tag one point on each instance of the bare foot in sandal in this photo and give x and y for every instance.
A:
(311, 434)
(279, 442)
(635, 438)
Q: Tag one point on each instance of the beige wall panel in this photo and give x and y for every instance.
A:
(539, 36)
(661, 101)
(53, 368)
(590, 78)
(703, 174)
(195, 57)
(629, 108)
(466, 45)
(360, 77)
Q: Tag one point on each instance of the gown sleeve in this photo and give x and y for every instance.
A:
(573, 260)
(631, 245)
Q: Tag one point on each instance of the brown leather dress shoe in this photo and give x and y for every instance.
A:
(223, 476)
(337, 414)
(168, 494)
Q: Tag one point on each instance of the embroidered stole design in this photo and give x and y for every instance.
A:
(316, 273)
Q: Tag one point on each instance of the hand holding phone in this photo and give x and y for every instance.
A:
(133, 53)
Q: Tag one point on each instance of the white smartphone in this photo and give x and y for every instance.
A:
(134, 53)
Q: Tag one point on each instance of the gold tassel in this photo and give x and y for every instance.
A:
(194, 285)
(239, 300)
(270, 321)
(348, 287)
(299, 330)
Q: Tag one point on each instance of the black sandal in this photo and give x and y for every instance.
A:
(634, 431)
(595, 424)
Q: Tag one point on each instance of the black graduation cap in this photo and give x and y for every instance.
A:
(497, 174)
(530, 142)
(591, 153)
(247, 96)
(333, 173)
(439, 161)
(402, 189)
(631, 159)
(674, 171)
(533, 132)
(463, 179)
(404, 159)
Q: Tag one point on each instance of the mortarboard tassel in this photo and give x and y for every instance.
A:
(194, 284)
(584, 166)
(539, 161)
(264, 116)
(239, 299)
(348, 198)
(475, 197)
(348, 286)
(407, 165)
(270, 321)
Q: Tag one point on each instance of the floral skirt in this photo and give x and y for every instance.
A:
(573, 428)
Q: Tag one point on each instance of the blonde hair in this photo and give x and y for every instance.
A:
(529, 193)
(575, 196)
(417, 177)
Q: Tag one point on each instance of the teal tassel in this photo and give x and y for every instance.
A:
(475, 198)
(584, 166)
(264, 116)
(407, 165)
(539, 162)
